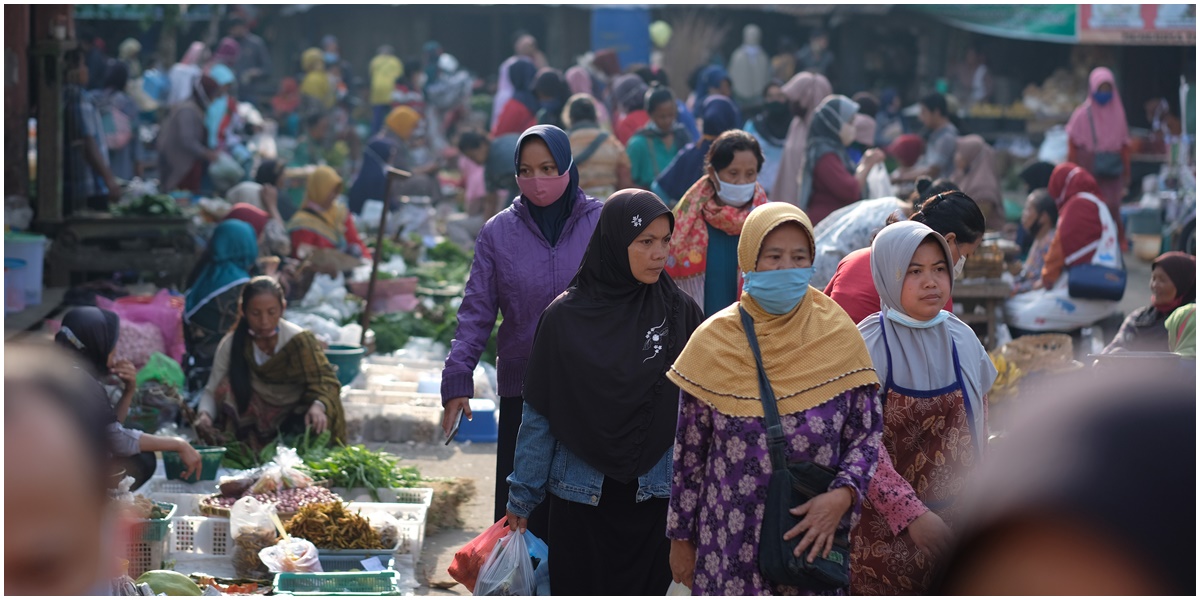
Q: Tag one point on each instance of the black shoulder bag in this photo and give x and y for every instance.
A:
(792, 485)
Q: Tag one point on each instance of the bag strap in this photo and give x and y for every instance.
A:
(775, 442)
(591, 149)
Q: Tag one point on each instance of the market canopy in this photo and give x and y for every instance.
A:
(1113, 24)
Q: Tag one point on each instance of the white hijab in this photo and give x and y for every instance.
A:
(922, 359)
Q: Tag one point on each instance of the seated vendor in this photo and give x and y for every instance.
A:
(1172, 285)
(322, 221)
(270, 376)
(210, 309)
(91, 334)
(1040, 219)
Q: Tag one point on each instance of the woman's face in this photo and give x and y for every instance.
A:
(1030, 215)
(263, 313)
(725, 89)
(54, 539)
(786, 247)
(1162, 289)
(743, 169)
(1105, 87)
(536, 160)
(926, 283)
(664, 116)
(846, 133)
(774, 94)
(960, 249)
(648, 252)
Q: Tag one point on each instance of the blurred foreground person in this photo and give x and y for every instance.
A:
(1062, 510)
(57, 523)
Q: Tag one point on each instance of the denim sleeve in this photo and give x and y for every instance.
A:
(531, 463)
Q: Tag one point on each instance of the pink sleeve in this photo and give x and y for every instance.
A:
(892, 495)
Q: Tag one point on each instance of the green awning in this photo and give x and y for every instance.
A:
(138, 12)
(1037, 22)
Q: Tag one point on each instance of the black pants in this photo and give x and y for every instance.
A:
(139, 466)
(506, 449)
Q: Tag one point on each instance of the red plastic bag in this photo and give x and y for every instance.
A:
(162, 310)
(469, 560)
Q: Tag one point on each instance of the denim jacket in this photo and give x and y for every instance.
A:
(542, 463)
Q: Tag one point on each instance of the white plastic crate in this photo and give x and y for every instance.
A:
(145, 556)
(186, 496)
(200, 535)
(412, 523)
(422, 496)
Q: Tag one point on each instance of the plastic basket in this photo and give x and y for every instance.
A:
(185, 496)
(210, 461)
(412, 522)
(351, 560)
(200, 535)
(154, 530)
(145, 556)
(383, 583)
(422, 496)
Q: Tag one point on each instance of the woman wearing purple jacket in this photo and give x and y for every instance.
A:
(524, 258)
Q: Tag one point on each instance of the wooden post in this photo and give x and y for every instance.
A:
(392, 175)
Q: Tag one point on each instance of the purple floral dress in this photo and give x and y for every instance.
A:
(721, 473)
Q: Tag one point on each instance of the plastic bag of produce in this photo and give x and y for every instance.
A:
(291, 556)
(162, 310)
(508, 571)
(282, 474)
(469, 560)
(252, 530)
(138, 342)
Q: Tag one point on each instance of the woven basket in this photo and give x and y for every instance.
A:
(1033, 353)
(986, 263)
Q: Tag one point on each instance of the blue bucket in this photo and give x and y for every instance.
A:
(483, 427)
(347, 359)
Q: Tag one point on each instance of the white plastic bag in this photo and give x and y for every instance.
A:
(508, 571)
(678, 589)
(879, 183)
(1054, 146)
(282, 474)
(291, 556)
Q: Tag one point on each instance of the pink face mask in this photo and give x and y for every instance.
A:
(544, 191)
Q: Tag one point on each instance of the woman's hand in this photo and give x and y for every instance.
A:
(873, 157)
(516, 523)
(683, 562)
(190, 457)
(451, 411)
(821, 517)
(127, 373)
(931, 534)
(203, 421)
(316, 419)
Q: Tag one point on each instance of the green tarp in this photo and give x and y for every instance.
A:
(1037, 22)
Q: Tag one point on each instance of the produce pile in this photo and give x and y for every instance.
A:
(330, 526)
(356, 466)
(148, 205)
(285, 501)
(1007, 377)
(145, 508)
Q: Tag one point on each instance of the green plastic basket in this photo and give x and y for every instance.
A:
(210, 461)
(382, 583)
(154, 530)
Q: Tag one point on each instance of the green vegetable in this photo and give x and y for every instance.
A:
(160, 205)
(169, 583)
(358, 467)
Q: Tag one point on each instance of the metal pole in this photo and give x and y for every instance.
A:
(392, 175)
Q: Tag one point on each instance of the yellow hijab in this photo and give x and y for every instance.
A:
(403, 121)
(811, 354)
(316, 83)
(322, 213)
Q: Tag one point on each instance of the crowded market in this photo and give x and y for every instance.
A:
(599, 299)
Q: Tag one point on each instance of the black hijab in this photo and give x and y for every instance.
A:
(552, 219)
(92, 334)
(598, 364)
(1037, 175)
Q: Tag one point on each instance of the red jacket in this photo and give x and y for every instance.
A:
(514, 118)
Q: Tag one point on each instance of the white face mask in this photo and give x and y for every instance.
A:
(958, 267)
(735, 195)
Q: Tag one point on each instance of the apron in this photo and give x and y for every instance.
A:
(931, 438)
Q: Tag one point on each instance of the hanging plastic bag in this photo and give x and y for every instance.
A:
(291, 556)
(508, 571)
(252, 530)
(539, 554)
(879, 183)
(161, 310)
(282, 474)
(163, 369)
(469, 560)
(678, 589)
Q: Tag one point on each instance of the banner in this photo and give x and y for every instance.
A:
(625, 29)
(1036, 22)
(1138, 24)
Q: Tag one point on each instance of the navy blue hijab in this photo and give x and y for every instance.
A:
(720, 115)
(371, 183)
(522, 74)
(551, 219)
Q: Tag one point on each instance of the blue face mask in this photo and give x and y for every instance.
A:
(778, 292)
(1102, 98)
(907, 321)
(330, 58)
